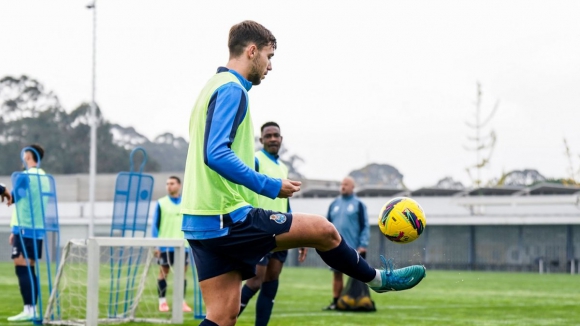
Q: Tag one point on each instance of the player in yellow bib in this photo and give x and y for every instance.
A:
(225, 227)
(167, 220)
(23, 238)
(269, 268)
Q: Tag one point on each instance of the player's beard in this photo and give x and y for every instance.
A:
(255, 75)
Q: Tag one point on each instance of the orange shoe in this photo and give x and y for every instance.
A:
(186, 308)
(163, 307)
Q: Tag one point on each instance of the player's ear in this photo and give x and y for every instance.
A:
(261, 141)
(251, 50)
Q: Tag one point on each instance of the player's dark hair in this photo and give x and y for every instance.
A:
(269, 124)
(38, 150)
(176, 178)
(248, 32)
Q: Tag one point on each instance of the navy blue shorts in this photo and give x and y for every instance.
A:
(25, 246)
(245, 245)
(166, 258)
(279, 255)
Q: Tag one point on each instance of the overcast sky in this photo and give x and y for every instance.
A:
(353, 82)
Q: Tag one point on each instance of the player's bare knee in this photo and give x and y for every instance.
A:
(272, 276)
(21, 261)
(330, 235)
(254, 283)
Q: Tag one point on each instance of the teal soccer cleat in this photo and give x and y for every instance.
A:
(399, 279)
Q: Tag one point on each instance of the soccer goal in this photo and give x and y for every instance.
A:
(113, 280)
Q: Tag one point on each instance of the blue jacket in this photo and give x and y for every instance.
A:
(349, 216)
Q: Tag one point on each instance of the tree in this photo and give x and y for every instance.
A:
(483, 141)
(449, 183)
(24, 98)
(573, 173)
(30, 114)
(168, 150)
(111, 157)
(378, 175)
(521, 178)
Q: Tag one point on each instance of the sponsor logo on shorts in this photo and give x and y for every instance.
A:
(278, 218)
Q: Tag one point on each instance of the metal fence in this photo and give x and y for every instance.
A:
(464, 247)
(481, 247)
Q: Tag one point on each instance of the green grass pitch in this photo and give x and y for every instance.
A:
(443, 298)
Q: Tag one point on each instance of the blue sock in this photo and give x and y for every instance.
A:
(345, 259)
(34, 286)
(162, 288)
(207, 322)
(247, 294)
(25, 284)
(265, 302)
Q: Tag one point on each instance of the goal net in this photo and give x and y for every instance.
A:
(114, 280)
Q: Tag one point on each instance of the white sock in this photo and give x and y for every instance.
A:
(162, 300)
(377, 281)
(29, 309)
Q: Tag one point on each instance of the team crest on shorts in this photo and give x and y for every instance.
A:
(278, 218)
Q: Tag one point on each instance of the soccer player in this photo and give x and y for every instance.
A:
(167, 220)
(269, 268)
(349, 216)
(22, 239)
(5, 194)
(228, 234)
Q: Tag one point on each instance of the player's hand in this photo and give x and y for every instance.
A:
(11, 239)
(156, 253)
(8, 197)
(361, 250)
(289, 187)
(302, 254)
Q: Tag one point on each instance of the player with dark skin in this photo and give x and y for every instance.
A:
(271, 139)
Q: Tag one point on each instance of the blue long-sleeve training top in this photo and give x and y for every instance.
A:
(228, 107)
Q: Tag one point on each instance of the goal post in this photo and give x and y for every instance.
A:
(114, 280)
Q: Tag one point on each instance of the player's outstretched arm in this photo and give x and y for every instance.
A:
(289, 187)
(5, 194)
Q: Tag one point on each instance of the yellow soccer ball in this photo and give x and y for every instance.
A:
(402, 220)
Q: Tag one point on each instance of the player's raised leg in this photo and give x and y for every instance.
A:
(315, 231)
